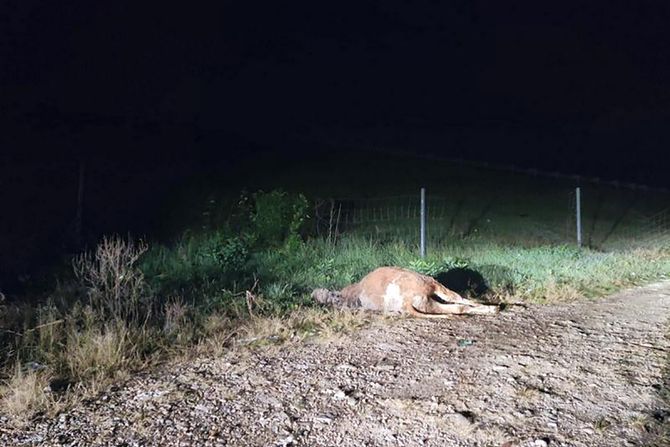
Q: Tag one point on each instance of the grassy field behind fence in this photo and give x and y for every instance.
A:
(245, 264)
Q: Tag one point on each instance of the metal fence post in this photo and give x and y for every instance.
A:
(423, 223)
(579, 216)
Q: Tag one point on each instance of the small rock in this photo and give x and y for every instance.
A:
(540, 443)
(460, 419)
(464, 342)
(289, 440)
(323, 419)
(345, 366)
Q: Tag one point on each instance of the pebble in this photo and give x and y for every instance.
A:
(323, 419)
(300, 394)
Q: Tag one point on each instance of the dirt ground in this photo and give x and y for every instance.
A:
(591, 373)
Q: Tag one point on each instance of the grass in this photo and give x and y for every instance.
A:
(505, 207)
(243, 275)
(528, 393)
(25, 394)
(539, 274)
(90, 343)
(602, 424)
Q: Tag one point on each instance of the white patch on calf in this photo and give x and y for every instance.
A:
(393, 299)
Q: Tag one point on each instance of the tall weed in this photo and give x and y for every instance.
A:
(115, 285)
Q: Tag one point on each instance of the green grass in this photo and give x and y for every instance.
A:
(503, 207)
(286, 275)
(236, 269)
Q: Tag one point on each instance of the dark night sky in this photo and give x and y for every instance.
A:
(145, 94)
(529, 78)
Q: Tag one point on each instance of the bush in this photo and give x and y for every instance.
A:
(277, 217)
(233, 254)
(206, 266)
(115, 285)
(198, 267)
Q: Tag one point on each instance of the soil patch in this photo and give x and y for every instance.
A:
(589, 373)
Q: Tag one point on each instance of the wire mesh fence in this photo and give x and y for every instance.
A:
(648, 231)
(603, 220)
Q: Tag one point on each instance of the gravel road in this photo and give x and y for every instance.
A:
(589, 373)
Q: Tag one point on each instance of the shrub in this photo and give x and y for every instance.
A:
(198, 266)
(277, 217)
(233, 254)
(115, 285)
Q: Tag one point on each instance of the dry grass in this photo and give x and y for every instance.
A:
(651, 254)
(218, 330)
(641, 422)
(602, 424)
(175, 317)
(553, 291)
(662, 440)
(100, 352)
(528, 393)
(25, 394)
(300, 325)
(97, 355)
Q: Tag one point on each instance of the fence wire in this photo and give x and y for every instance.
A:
(610, 219)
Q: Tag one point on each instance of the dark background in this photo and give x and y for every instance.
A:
(148, 95)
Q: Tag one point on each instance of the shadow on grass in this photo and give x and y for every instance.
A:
(479, 281)
(464, 281)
